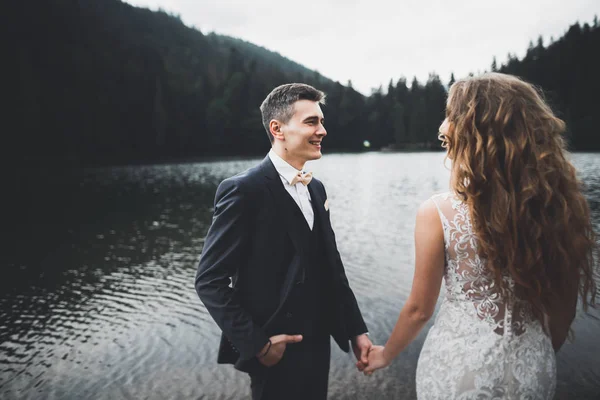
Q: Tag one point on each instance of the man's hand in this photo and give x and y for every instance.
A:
(361, 346)
(274, 353)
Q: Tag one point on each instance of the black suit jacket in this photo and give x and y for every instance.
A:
(253, 255)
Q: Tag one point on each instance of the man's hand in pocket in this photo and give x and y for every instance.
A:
(272, 352)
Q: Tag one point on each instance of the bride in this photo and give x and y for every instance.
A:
(513, 242)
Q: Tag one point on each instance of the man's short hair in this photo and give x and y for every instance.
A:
(279, 104)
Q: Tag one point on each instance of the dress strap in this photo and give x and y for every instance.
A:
(435, 200)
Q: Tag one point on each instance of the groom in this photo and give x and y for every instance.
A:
(270, 273)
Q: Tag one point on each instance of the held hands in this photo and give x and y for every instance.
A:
(361, 346)
(377, 360)
(273, 351)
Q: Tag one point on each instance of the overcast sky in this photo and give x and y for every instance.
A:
(373, 41)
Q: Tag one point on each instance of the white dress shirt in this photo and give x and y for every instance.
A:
(299, 192)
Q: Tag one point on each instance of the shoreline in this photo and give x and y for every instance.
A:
(28, 169)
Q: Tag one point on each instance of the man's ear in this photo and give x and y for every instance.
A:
(275, 129)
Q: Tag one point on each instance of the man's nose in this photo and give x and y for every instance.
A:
(322, 131)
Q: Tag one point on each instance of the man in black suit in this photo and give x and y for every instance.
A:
(270, 273)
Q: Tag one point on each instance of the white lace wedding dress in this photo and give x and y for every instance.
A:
(484, 344)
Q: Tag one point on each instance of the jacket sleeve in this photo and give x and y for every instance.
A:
(225, 250)
(355, 325)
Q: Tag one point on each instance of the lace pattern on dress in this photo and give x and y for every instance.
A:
(485, 343)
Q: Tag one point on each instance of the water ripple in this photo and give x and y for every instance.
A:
(105, 307)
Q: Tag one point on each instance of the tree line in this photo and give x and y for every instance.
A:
(102, 82)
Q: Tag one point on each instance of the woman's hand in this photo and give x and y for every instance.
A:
(377, 360)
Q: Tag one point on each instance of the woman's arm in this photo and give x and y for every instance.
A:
(427, 280)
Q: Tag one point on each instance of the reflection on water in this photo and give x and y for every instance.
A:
(101, 304)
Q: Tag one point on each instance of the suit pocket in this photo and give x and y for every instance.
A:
(251, 366)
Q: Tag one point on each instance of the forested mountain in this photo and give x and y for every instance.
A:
(102, 82)
(568, 70)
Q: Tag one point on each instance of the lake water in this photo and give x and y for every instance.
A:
(100, 303)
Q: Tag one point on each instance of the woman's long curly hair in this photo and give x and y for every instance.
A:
(509, 164)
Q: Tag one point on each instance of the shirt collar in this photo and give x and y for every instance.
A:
(285, 170)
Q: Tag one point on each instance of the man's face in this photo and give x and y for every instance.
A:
(304, 132)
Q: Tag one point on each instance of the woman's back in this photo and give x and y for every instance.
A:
(485, 341)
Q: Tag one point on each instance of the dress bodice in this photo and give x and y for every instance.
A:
(485, 342)
(468, 278)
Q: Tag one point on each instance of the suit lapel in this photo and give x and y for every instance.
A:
(318, 200)
(285, 214)
(319, 206)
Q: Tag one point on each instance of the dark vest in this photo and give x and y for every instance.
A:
(308, 306)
